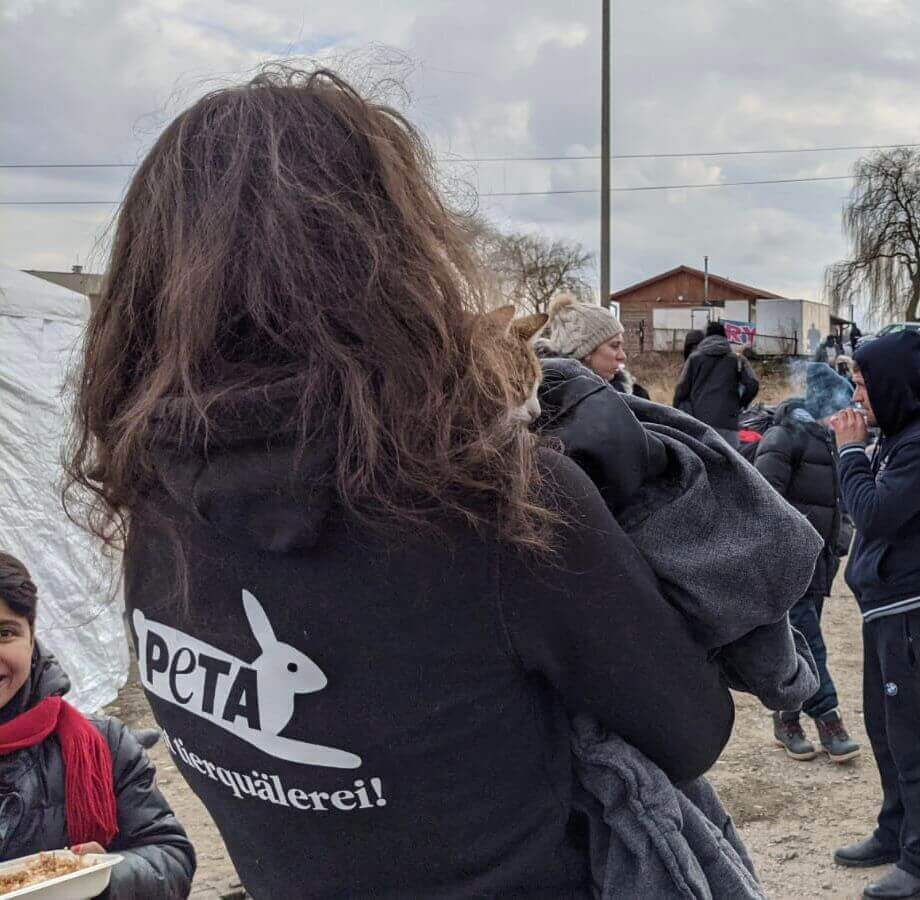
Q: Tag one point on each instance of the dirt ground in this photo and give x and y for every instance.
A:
(791, 814)
(659, 372)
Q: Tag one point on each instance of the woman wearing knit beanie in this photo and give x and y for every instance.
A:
(592, 335)
(73, 781)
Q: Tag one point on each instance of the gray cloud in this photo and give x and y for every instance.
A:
(95, 80)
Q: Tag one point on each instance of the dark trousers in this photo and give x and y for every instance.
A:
(805, 616)
(891, 700)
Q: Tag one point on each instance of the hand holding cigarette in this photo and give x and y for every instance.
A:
(850, 427)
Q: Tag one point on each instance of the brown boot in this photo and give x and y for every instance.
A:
(835, 740)
(787, 730)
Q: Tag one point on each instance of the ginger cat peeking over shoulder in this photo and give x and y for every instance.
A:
(516, 337)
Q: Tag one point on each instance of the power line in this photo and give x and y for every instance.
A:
(496, 159)
(68, 165)
(619, 190)
(671, 187)
(719, 153)
(59, 202)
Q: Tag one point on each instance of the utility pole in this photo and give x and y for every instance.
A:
(605, 154)
(705, 281)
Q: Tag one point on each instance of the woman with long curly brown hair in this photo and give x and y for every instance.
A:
(364, 600)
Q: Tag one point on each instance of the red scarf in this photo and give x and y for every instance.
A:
(89, 789)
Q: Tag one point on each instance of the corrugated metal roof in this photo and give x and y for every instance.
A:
(86, 283)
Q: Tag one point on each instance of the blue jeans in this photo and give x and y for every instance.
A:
(806, 617)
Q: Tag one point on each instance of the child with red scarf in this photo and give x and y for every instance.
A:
(70, 781)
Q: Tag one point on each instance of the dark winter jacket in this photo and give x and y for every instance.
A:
(692, 340)
(158, 859)
(716, 384)
(829, 349)
(599, 433)
(883, 497)
(799, 458)
(384, 711)
(694, 509)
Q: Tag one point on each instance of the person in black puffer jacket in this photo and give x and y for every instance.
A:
(799, 458)
(36, 812)
(716, 384)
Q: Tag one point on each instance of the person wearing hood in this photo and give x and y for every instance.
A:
(843, 365)
(365, 600)
(692, 340)
(798, 456)
(882, 494)
(716, 384)
(71, 781)
(592, 335)
(855, 336)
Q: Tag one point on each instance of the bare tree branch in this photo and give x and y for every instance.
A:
(528, 270)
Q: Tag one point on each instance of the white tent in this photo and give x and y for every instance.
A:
(80, 607)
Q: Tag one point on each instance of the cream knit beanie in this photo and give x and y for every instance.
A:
(577, 329)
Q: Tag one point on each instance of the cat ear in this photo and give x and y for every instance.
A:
(501, 317)
(528, 327)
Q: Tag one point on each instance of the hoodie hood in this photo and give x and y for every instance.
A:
(46, 679)
(692, 340)
(787, 408)
(714, 345)
(246, 477)
(795, 413)
(890, 366)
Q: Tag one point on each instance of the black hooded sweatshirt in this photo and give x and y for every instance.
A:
(378, 713)
(883, 496)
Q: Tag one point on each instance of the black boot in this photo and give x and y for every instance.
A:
(865, 854)
(787, 730)
(835, 741)
(896, 885)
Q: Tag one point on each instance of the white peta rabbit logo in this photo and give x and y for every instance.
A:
(254, 701)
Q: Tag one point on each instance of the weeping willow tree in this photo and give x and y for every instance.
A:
(881, 220)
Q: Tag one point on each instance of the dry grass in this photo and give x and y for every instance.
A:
(658, 373)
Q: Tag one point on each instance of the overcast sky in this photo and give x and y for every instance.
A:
(93, 81)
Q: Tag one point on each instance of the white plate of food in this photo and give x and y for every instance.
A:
(57, 875)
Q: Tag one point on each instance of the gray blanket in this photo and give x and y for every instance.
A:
(737, 555)
(729, 552)
(733, 556)
(649, 838)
